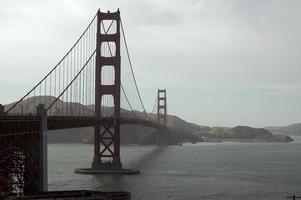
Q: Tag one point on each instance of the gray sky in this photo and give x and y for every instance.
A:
(223, 62)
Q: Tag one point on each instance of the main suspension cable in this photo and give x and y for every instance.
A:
(128, 55)
(128, 101)
(53, 67)
(155, 104)
(71, 81)
(111, 54)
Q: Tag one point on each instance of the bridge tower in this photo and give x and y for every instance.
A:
(107, 137)
(162, 107)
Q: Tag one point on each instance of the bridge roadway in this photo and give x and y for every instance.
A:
(31, 123)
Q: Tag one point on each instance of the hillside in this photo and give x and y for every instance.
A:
(293, 130)
(182, 131)
(130, 134)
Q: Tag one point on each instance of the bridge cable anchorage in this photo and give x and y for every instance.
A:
(130, 62)
(71, 81)
(111, 54)
(53, 69)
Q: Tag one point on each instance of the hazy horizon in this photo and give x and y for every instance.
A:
(223, 64)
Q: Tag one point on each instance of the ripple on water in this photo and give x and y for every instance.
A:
(198, 171)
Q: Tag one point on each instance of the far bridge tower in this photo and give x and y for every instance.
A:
(162, 107)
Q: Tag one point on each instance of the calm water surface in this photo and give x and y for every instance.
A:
(192, 171)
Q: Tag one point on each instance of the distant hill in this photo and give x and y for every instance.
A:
(133, 134)
(293, 130)
(241, 134)
(130, 134)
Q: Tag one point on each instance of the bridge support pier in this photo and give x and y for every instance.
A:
(42, 155)
(23, 153)
(107, 135)
(1, 110)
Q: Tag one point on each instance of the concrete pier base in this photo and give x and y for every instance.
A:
(106, 171)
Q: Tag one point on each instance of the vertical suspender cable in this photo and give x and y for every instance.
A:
(111, 54)
(71, 75)
(129, 59)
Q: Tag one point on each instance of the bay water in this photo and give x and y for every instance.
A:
(224, 171)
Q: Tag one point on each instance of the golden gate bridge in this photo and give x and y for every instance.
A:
(84, 89)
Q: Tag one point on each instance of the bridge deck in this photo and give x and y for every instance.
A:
(21, 123)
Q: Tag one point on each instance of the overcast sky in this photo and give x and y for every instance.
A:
(223, 62)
